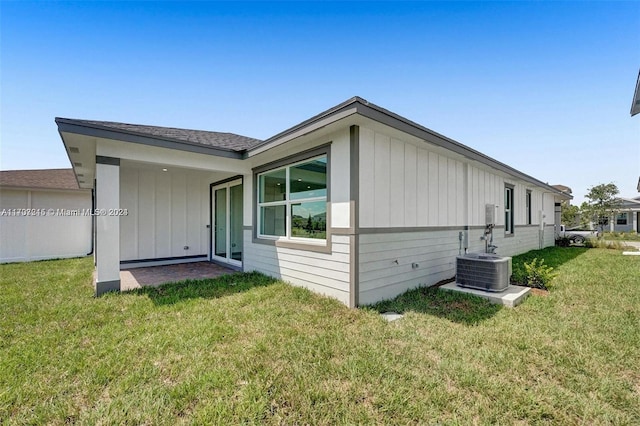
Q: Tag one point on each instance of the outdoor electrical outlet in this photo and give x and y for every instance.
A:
(186, 247)
(414, 265)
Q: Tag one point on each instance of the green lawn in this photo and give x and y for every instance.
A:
(247, 349)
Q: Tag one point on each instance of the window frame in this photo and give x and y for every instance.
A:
(528, 202)
(509, 226)
(619, 219)
(289, 241)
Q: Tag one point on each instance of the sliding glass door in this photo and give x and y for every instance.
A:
(226, 208)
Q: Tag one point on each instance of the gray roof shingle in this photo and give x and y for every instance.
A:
(222, 140)
(43, 178)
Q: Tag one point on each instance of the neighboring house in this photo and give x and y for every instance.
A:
(628, 217)
(357, 202)
(42, 215)
(635, 102)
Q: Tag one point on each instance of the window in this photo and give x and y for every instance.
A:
(508, 210)
(292, 201)
(621, 219)
(528, 207)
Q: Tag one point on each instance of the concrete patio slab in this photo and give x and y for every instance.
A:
(157, 275)
(511, 297)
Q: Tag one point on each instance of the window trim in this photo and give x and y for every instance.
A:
(626, 218)
(509, 230)
(288, 203)
(309, 244)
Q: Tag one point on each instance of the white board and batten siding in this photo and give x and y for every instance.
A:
(57, 235)
(404, 184)
(166, 212)
(324, 273)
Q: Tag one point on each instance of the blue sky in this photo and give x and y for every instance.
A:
(545, 87)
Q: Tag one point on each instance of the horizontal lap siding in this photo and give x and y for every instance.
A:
(409, 185)
(381, 277)
(326, 273)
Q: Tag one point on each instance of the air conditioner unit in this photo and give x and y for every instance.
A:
(481, 271)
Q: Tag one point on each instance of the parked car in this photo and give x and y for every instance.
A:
(576, 235)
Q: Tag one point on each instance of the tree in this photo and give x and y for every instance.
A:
(569, 214)
(602, 203)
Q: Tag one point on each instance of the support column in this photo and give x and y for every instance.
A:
(107, 226)
(634, 216)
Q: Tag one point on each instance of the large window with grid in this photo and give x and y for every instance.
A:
(292, 201)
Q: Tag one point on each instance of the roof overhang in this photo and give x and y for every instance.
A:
(357, 106)
(635, 104)
(80, 139)
(75, 133)
(66, 125)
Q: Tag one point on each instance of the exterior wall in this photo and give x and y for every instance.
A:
(323, 272)
(632, 222)
(166, 212)
(386, 262)
(27, 238)
(415, 200)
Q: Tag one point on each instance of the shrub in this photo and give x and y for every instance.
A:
(611, 245)
(538, 275)
(563, 242)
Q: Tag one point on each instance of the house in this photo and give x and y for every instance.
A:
(627, 219)
(357, 202)
(44, 214)
(635, 102)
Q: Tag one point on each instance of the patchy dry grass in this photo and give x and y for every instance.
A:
(248, 349)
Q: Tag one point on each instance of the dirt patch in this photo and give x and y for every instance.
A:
(539, 292)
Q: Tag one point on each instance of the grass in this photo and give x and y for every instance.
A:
(249, 349)
(622, 236)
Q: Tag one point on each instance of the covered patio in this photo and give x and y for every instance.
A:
(162, 196)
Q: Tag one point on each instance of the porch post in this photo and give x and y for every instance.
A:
(635, 220)
(107, 226)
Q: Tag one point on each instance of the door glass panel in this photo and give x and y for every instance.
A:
(235, 218)
(220, 248)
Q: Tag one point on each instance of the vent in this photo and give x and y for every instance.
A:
(487, 272)
(77, 164)
(74, 150)
(80, 175)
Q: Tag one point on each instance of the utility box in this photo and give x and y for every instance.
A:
(489, 214)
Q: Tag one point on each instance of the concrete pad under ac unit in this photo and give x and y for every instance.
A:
(511, 297)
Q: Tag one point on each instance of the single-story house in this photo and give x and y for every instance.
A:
(357, 202)
(627, 219)
(635, 103)
(44, 214)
